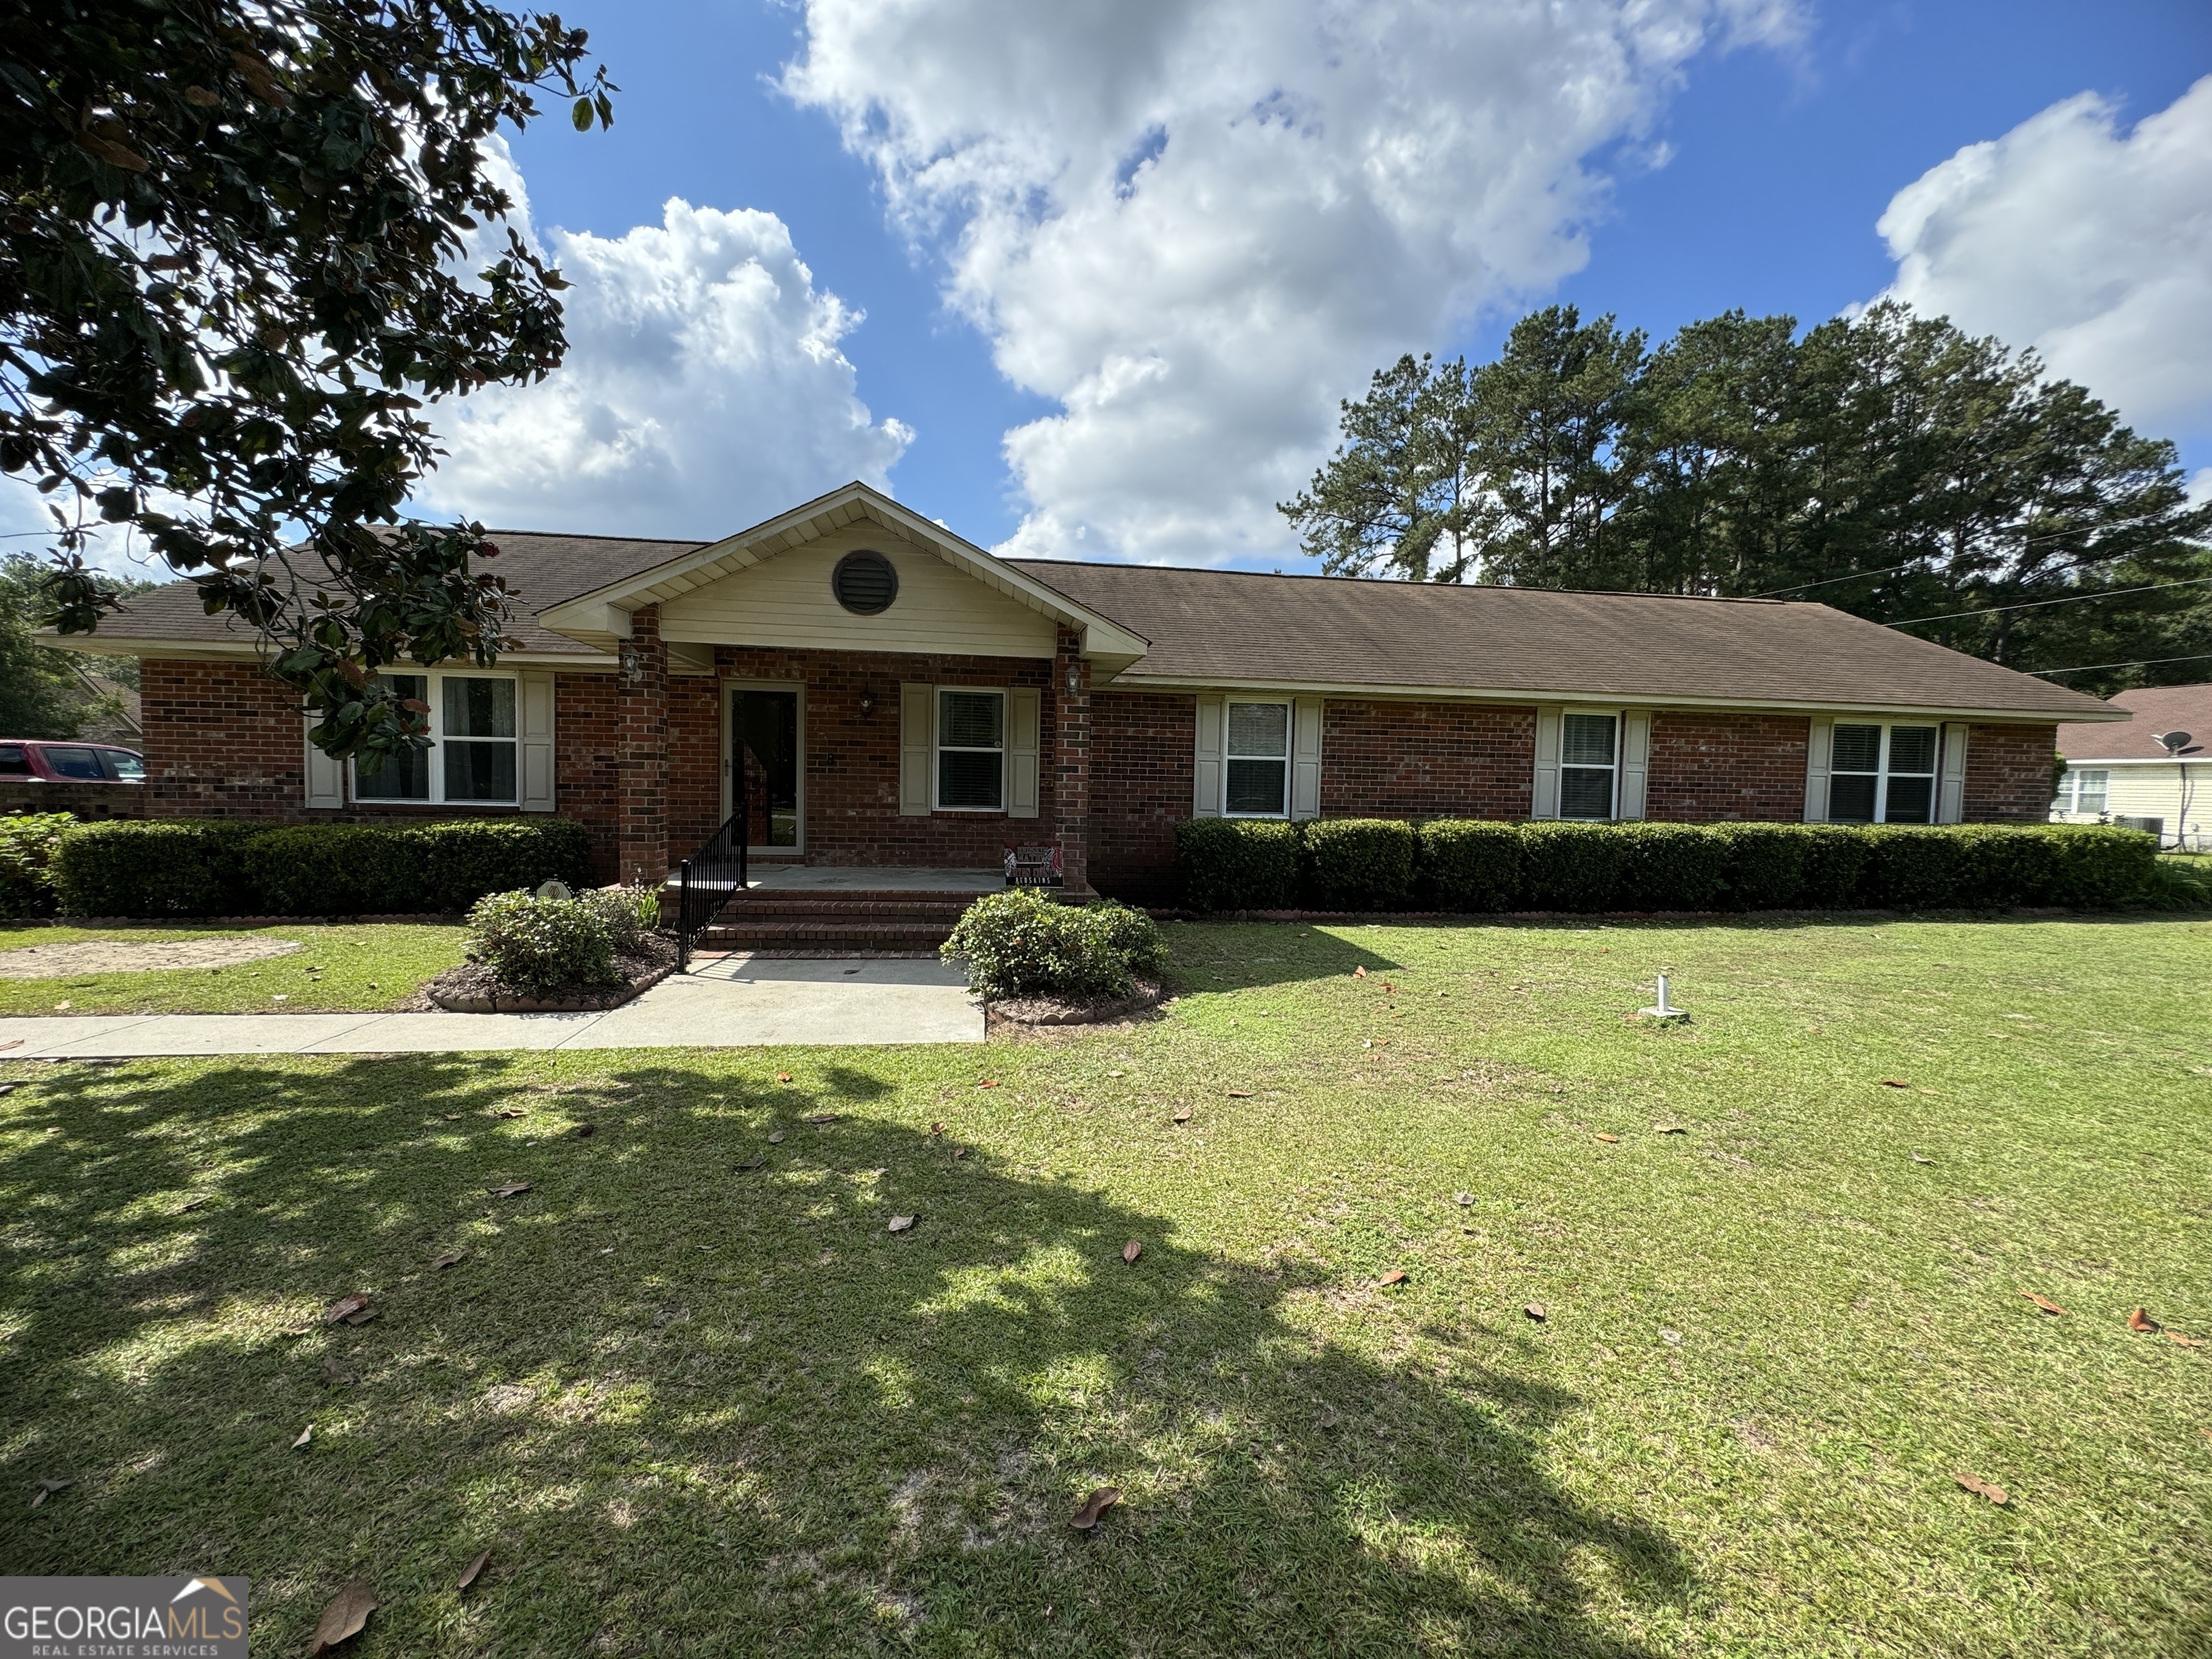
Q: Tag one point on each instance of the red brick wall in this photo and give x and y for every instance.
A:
(1426, 760)
(1143, 750)
(2008, 773)
(851, 757)
(586, 779)
(1717, 765)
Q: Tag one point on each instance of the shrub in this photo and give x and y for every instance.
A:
(1468, 864)
(1916, 867)
(1358, 864)
(226, 866)
(1237, 864)
(1834, 865)
(1765, 865)
(1670, 866)
(28, 841)
(2090, 865)
(1571, 866)
(628, 913)
(156, 867)
(1023, 943)
(542, 944)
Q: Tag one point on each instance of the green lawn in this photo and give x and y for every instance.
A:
(366, 965)
(696, 1408)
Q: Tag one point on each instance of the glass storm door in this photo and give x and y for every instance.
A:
(764, 766)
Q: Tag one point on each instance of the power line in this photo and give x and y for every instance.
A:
(1892, 569)
(2033, 604)
(2147, 662)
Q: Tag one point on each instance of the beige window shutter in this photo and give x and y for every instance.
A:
(1635, 761)
(1305, 757)
(1022, 719)
(1951, 785)
(1206, 791)
(1818, 751)
(1545, 801)
(535, 696)
(917, 744)
(326, 778)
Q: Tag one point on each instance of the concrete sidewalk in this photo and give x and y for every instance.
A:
(735, 1003)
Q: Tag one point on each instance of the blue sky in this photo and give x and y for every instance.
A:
(1088, 280)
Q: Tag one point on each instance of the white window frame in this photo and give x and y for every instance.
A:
(1612, 795)
(938, 748)
(1882, 774)
(2071, 791)
(1229, 707)
(434, 684)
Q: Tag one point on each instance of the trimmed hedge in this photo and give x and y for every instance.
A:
(28, 841)
(227, 866)
(1477, 867)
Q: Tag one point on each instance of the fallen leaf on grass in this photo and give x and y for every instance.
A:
(190, 1205)
(355, 1310)
(1669, 1129)
(1917, 1159)
(452, 1117)
(1895, 1083)
(347, 1612)
(1535, 1311)
(1359, 972)
(1388, 989)
(1182, 1114)
(935, 1130)
(1240, 1094)
(2186, 1341)
(1395, 1276)
(751, 1163)
(511, 1111)
(820, 1117)
(1117, 1074)
(901, 1223)
(783, 1076)
(512, 1189)
(306, 1435)
(47, 1489)
(988, 1083)
(450, 1259)
(1102, 1499)
(469, 1573)
(1465, 1200)
(775, 1136)
(1132, 1250)
(1981, 1488)
(2140, 1320)
(586, 1130)
(2043, 1303)
(960, 1151)
(1610, 1140)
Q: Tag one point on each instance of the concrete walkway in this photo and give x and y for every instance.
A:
(735, 1003)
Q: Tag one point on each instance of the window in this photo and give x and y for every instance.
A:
(1258, 780)
(1882, 774)
(13, 763)
(1589, 747)
(123, 766)
(71, 762)
(471, 758)
(2084, 792)
(971, 751)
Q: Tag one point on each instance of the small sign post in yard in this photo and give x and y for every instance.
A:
(1663, 1009)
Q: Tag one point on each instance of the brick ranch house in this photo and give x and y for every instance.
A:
(898, 696)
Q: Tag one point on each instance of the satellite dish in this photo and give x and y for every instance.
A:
(2175, 742)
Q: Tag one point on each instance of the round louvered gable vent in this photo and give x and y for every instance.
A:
(865, 582)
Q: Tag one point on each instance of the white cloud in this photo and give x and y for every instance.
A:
(2091, 244)
(704, 389)
(1197, 224)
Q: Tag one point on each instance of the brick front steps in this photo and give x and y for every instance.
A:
(840, 923)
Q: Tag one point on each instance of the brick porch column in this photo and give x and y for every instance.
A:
(1071, 759)
(641, 752)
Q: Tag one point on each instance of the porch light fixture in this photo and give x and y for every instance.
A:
(865, 582)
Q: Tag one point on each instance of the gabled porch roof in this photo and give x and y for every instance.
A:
(600, 617)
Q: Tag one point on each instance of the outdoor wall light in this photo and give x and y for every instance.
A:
(867, 705)
(1074, 679)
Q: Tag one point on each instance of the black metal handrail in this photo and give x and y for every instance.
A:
(706, 881)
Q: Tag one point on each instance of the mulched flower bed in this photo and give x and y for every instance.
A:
(475, 988)
(1066, 1011)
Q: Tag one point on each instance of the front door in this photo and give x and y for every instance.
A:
(764, 767)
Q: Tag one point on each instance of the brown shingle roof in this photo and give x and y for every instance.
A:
(1237, 628)
(542, 569)
(2156, 708)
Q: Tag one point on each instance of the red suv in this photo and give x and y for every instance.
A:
(31, 760)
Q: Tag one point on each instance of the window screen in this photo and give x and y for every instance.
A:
(971, 750)
(1883, 775)
(1911, 797)
(1258, 760)
(1586, 765)
(1855, 775)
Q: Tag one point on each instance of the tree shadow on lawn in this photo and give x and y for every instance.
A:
(1230, 956)
(699, 1409)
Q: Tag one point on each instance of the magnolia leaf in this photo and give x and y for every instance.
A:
(1981, 1488)
(1610, 1140)
(1132, 1250)
(306, 1435)
(751, 1163)
(935, 1130)
(1669, 1129)
(1182, 1114)
(988, 1083)
(783, 1076)
(1465, 1200)
(901, 1224)
(2043, 1303)
(1359, 972)
(1535, 1311)
(2140, 1320)
(469, 1573)
(1895, 1083)
(1101, 1499)
(48, 1488)
(342, 1618)
(775, 1136)
(584, 1131)
(450, 1259)
(511, 1111)
(820, 1117)
(511, 1189)
(1395, 1276)
(1240, 1094)
(960, 1151)
(345, 1308)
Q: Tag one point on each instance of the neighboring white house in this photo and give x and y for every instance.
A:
(2157, 765)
